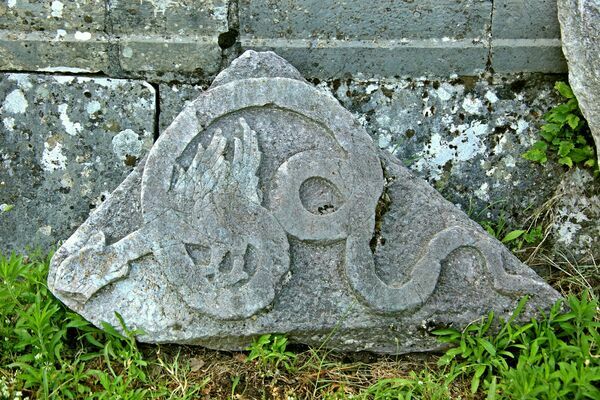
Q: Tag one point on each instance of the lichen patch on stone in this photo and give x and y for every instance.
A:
(15, 102)
(126, 143)
(72, 128)
(52, 158)
(57, 9)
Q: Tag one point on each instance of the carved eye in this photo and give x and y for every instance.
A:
(320, 196)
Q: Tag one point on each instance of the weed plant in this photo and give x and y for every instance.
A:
(566, 134)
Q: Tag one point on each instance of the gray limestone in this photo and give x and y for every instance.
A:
(162, 40)
(580, 26)
(266, 207)
(66, 142)
(526, 37)
(465, 137)
(381, 38)
(188, 41)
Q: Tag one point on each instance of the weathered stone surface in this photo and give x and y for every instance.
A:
(173, 99)
(30, 15)
(580, 26)
(526, 37)
(464, 136)
(65, 143)
(576, 227)
(161, 40)
(265, 207)
(381, 38)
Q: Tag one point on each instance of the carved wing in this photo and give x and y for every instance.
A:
(206, 173)
(246, 160)
(211, 172)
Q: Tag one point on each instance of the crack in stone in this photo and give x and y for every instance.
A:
(383, 206)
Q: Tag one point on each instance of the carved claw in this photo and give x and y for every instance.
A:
(96, 265)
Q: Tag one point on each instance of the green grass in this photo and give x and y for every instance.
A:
(49, 352)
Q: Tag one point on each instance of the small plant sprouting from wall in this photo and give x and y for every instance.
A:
(565, 133)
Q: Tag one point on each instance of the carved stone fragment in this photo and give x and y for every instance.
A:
(265, 207)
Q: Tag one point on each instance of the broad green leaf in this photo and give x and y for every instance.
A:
(566, 161)
(581, 140)
(535, 155)
(477, 377)
(573, 121)
(564, 148)
(564, 90)
(512, 235)
(581, 154)
(487, 346)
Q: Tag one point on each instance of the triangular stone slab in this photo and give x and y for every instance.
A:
(265, 207)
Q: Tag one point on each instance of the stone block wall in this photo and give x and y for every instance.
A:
(191, 40)
(86, 86)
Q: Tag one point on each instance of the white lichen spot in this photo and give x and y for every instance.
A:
(371, 88)
(93, 106)
(482, 192)
(45, 230)
(509, 161)
(70, 127)
(23, 80)
(63, 79)
(52, 158)
(15, 102)
(83, 36)
(499, 148)
(127, 52)
(57, 9)
(522, 125)
(220, 12)
(161, 6)
(567, 232)
(11, 3)
(9, 123)
(60, 35)
(445, 91)
(447, 119)
(127, 143)
(472, 105)
(384, 140)
(491, 96)
(465, 146)
(66, 181)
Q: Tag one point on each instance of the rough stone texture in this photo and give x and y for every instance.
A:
(65, 144)
(167, 40)
(265, 207)
(526, 37)
(160, 40)
(580, 25)
(382, 38)
(464, 136)
(173, 99)
(189, 40)
(576, 229)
